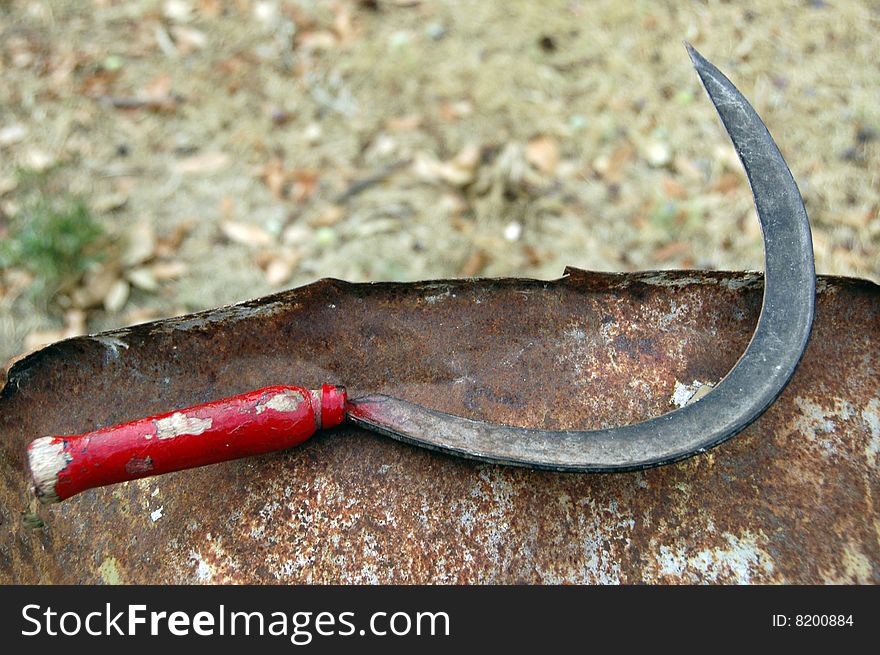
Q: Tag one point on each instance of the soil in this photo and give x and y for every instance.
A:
(231, 149)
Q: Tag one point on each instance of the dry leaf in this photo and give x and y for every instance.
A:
(7, 184)
(64, 64)
(158, 87)
(274, 178)
(726, 155)
(204, 164)
(99, 84)
(453, 203)
(330, 216)
(109, 202)
(362, 230)
(246, 234)
(316, 40)
(179, 10)
(751, 226)
(532, 255)
(342, 24)
(463, 225)
(384, 145)
(475, 263)
(164, 41)
(298, 184)
(431, 170)
(610, 167)
(38, 160)
(168, 245)
(143, 279)
(39, 338)
(95, 286)
(227, 207)
(452, 111)
(117, 296)
(141, 244)
(305, 183)
(210, 8)
(468, 158)
(543, 153)
(728, 183)
(12, 134)
(188, 39)
(458, 171)
(822, 243)
(297, 234)
(264, 258)
(687, 168)
(140, 315)
(857, 219)
(280, 269)
(74, 325)
(13, 282)
(163, 271)
(673, 188)
(672, 251)
(406, 123)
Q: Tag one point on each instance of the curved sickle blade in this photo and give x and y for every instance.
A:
(742, 396)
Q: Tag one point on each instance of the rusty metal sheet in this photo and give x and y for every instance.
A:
(792, 499)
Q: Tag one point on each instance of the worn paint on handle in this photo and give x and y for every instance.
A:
(257, 422)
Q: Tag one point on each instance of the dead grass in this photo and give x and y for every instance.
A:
(266, 113)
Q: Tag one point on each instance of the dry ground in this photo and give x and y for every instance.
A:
(229, 149)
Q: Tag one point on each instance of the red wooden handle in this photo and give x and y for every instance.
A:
(261, 421)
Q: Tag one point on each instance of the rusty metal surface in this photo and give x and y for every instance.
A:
(792, 499)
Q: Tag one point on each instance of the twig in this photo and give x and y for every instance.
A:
(359, 186)
(158, 103)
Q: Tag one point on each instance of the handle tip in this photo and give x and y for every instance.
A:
(47, 458)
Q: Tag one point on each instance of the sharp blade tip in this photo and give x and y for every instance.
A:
(698, 60)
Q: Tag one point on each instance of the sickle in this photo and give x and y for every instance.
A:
(280, 417)
(756, 380)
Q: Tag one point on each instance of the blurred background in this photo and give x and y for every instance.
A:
(163, 157)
